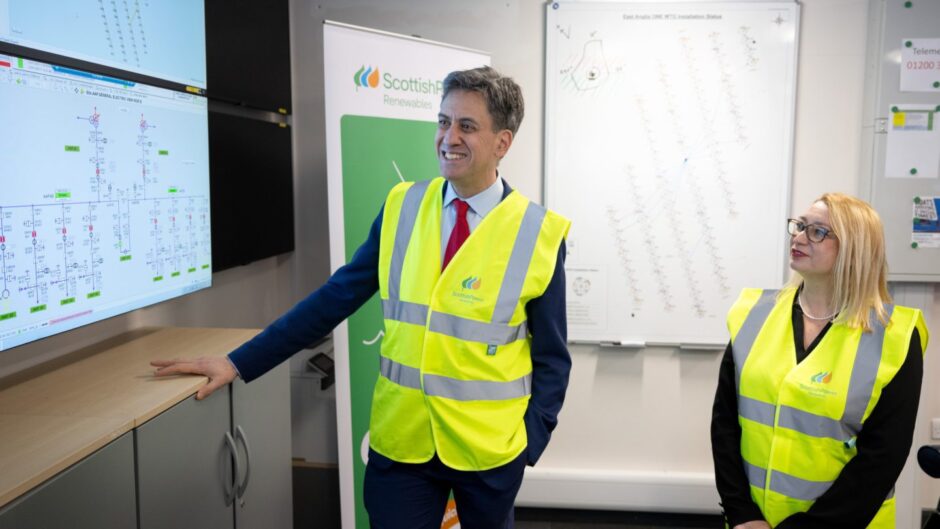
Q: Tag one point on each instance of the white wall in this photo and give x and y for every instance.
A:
(640, 416)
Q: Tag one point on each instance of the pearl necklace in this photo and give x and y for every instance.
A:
(799, 300)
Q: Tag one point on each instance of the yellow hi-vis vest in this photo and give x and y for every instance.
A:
(456, 371)
(799, 422)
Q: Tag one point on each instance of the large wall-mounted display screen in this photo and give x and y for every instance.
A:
(165, 39)
(104, 197)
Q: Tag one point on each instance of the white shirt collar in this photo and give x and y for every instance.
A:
(480, 203)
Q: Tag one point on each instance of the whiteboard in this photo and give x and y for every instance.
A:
(669, 137)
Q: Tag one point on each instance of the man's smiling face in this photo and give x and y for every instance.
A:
(468, 150)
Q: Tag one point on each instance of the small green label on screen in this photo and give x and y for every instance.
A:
(205, 267)
(72, 148)
(175, 274)
(63, 194)
(191, 270)
(37, 308)
(125, 258)
(7, 316)
(94, 294)
(158, 278)
(163, 152)
(173, 190)
(19, 63)
(67, 301)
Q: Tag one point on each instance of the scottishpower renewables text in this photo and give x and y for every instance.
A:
(408, 86)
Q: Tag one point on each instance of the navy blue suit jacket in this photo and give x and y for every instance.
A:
(353, 284)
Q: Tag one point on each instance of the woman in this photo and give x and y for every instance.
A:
(818, 390)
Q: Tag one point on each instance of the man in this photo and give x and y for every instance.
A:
(474, 363)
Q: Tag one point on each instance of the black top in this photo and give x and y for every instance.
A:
(865, 481)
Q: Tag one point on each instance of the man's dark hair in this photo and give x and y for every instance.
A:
(502, 95)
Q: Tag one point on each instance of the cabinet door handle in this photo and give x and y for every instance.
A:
(240, 435)
(230, 488)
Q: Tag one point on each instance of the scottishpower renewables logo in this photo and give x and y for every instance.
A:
(466, 291)
(819, 386)
(400, 91)
(471, 283)
(366, 77)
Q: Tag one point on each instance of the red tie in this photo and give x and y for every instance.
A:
(460, 232)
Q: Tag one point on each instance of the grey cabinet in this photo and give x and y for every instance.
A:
(96, 492)
(183, 464)
(222, 462)
(261, 423)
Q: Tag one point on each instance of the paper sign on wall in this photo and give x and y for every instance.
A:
(920, 65)
(926, 232)
(913, 147)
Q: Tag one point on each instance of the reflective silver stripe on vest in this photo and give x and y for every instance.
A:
(406, 223)
(791, 486)
(864, 373)
(742, 343)
(756, 475)
(452, 388)
(405, 311)
(757, 411)
(518, 265)
(400, 374)
(476, 331)
(797, 488)
(814, 425)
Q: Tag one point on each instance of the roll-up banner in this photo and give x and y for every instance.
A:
(382, 95)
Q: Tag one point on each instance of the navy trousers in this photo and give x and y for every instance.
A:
(414, 496)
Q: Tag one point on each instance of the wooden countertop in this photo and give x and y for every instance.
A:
(54, 419)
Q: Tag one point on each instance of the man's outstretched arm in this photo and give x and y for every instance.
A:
(308, 321)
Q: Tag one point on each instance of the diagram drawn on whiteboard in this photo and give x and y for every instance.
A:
(591, 70)
(675, 171)
(588, 69)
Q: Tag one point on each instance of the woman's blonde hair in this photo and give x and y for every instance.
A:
(860, 274)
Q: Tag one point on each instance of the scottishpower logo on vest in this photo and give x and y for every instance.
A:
(818, 388)
(399, 91)
(467, 286)
(471, 283)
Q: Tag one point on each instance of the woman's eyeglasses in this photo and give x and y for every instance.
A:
(814, 232)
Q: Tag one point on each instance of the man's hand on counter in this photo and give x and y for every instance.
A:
(219, 370)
